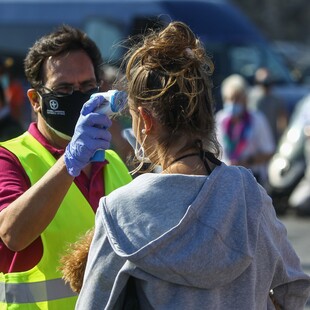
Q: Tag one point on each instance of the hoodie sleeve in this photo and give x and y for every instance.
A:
(290, 285)
(103, 266)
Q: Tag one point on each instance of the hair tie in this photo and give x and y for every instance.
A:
(189, 53)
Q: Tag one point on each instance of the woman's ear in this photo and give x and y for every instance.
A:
(147, 118)
(34, 99)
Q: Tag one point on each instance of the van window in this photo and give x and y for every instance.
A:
(245, 59)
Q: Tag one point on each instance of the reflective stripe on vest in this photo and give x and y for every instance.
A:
(20, 293)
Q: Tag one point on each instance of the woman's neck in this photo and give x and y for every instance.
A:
(187, 163)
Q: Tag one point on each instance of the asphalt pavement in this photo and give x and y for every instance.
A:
(298, 230)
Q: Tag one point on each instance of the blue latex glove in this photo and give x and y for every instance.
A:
(89, 135)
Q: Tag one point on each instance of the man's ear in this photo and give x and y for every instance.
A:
(147, 118)
(34, 99)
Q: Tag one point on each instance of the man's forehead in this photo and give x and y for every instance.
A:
(52, 63)
(67, 66)
(55, 61)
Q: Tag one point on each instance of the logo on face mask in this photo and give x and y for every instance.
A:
(62, 113)
(54, 104)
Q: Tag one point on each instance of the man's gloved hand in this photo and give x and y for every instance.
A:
(89, 135)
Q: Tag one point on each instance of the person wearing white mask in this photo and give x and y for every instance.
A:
(245, 136)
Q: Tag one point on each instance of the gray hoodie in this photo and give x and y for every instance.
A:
(192, 242)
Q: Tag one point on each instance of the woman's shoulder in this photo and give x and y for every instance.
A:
(240, 179)
(152, 182)
(236, 171)
(154, 189)
(142, 183)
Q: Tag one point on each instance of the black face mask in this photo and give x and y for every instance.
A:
(62, 113)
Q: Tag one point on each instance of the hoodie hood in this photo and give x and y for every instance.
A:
(190, 230)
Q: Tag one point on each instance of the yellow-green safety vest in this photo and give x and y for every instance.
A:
(42, 286)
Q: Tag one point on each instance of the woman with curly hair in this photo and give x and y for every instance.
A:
(200, 234)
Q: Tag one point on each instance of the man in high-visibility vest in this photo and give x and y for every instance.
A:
(49, 185)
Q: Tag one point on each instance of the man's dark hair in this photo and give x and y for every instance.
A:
(63, 40)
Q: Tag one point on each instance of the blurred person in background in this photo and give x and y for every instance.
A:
(14, 90)
(269, 104)
(9, 127)
(49, 187)
(245, 136)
